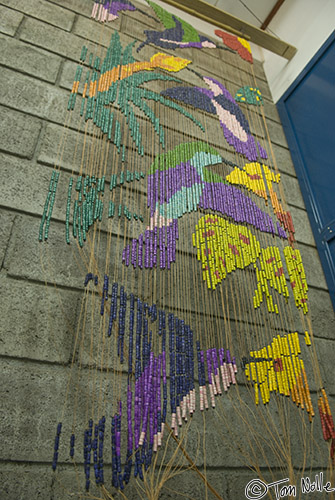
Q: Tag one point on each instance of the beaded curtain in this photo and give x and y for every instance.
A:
(194, 294)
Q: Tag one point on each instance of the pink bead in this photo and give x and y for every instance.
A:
(217, 381)
(205, 397)
(100, 13)
(179, 416)
(232, 373)
(201, 399)
(94, 10)
(141, 440)
(183, 407)
(211, 393)
(213, 385)
(223, 378)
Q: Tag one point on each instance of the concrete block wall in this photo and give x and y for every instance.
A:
(40, 43)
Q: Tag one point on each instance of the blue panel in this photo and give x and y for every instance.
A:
(307, 111)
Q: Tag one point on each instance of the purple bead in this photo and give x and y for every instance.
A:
(134, 252)
(140, 251)
(221, 355)
(127, 255)
(209, 365)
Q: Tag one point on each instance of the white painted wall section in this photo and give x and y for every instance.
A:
(306, 24)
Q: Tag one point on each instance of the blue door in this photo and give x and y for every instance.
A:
(307, 111)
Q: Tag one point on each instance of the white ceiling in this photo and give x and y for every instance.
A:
(254, 12)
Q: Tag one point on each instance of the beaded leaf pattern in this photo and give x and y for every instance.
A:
(117, 81)
(222, 247)
(238, 44)
(249, 95)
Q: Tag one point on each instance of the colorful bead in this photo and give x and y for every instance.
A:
(240, 45)
(278, 368)
(249, 95)
(178, 33)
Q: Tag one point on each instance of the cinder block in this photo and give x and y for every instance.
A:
(64, 264)
(22, 481)
(93, 31)
(315, 452)
(45, 11)
(259, 70)
(145, 15)
(303, 230)
(30, 197)
(74, 142)
(83, 7)
(283, 159)
(51, 38)
(189, 483)
(27, 59)
(263, 87)
(9, 20)
(235, 60)
(292, 191)
(322, 313)
(270, 110)
(276, 133)
(325, 350)
(133, 28)
(69, 482)
(235, 416)
(19, 132)
(59, 258)
(31, 96)
(41, 323)
(6, 224)
(68, 74)
(208, 62)
(236, 482)
(34, 405)
(314, 272)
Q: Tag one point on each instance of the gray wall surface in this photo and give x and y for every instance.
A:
(40, 43)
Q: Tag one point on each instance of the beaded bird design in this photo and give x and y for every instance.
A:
(178, 183)
(218, 101)
(252, 177)
(114, 81)
(178, 33)
(108, 10)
